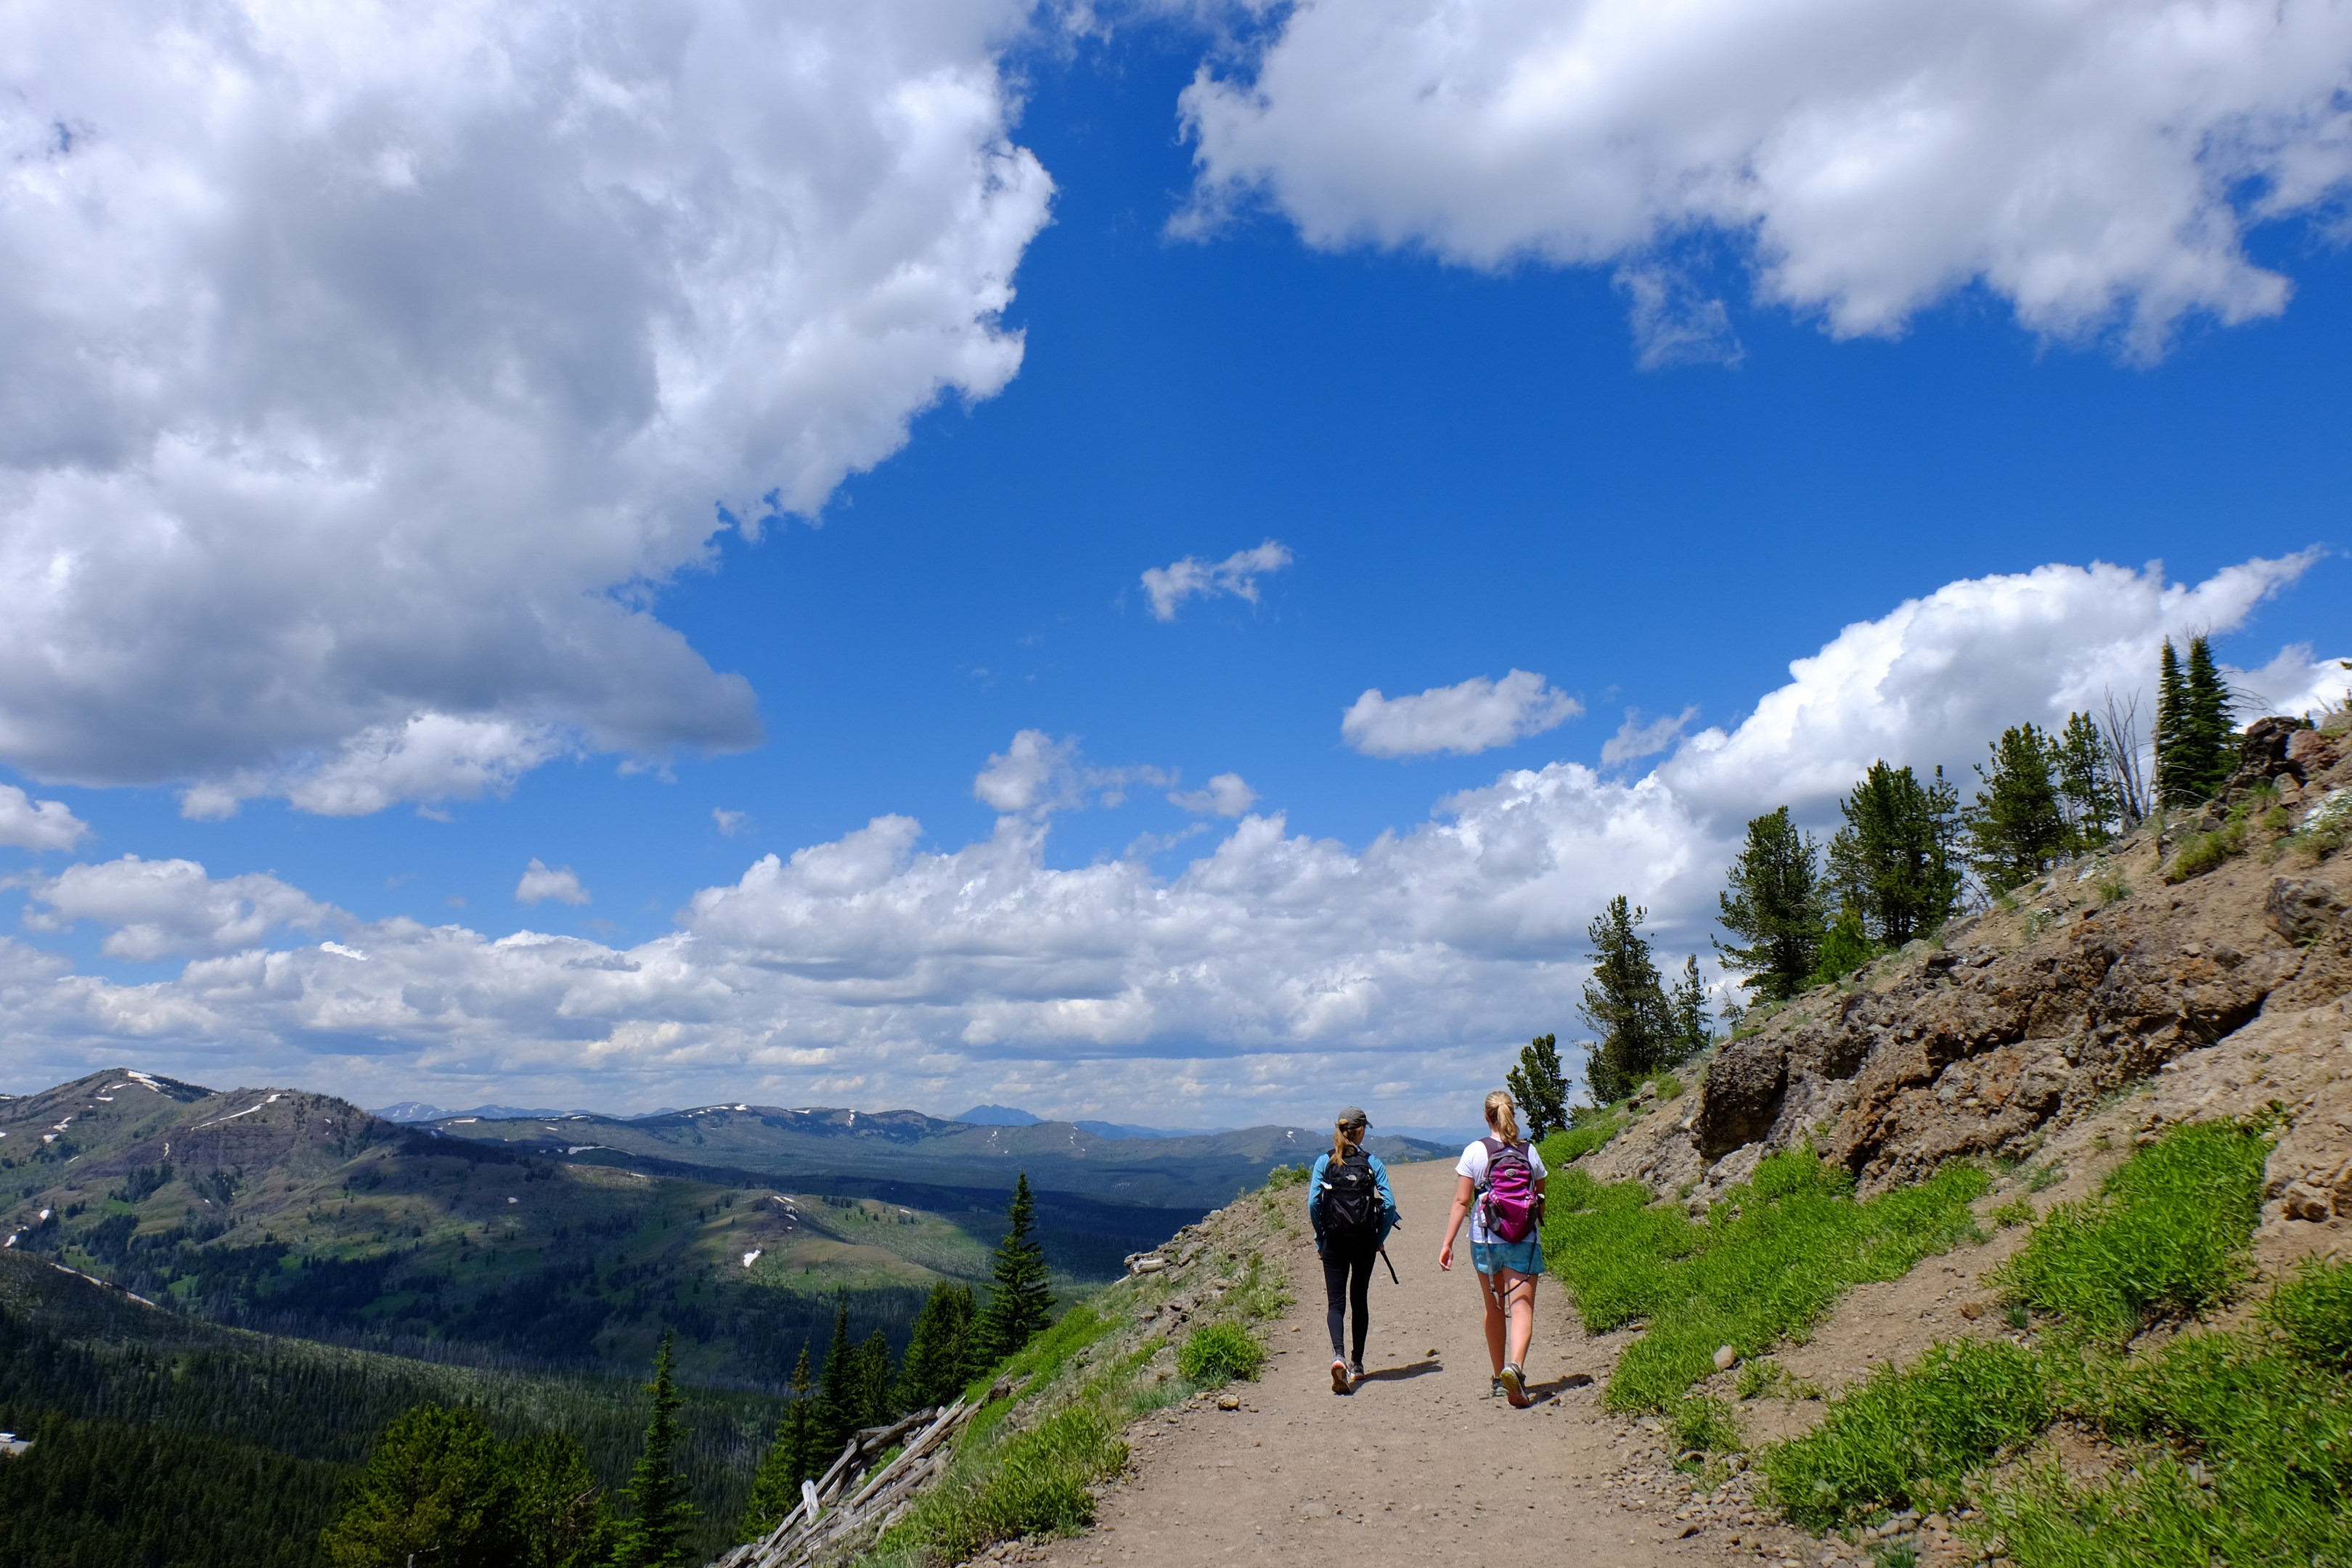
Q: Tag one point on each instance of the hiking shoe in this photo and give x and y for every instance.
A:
(1338, 1376)
(1514, 1387)
(1355, 1372)
(1495, 1386)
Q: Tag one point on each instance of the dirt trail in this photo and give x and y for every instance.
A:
(1418, 1461)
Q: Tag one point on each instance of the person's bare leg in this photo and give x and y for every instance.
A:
(1520, 1292)
(1494, 1319)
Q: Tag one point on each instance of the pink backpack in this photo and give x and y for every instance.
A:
(1508, 1204)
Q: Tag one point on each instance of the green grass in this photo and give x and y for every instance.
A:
(1908, 1438)
(1696, 1422)
(1283, 1177)
(1768, 1260)
(1217, 1354)
(1573, 1144)
(2241, 1445)
(2166, 1236)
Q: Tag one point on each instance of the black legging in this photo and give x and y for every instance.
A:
(1347, 1282)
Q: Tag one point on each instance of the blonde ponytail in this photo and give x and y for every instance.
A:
(1347, 1137)
(1503, 1116)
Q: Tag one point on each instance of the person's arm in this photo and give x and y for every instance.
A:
(1315, 1199)
(1389, 1213)
(1464, 1191)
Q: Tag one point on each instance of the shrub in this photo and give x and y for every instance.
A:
(2200, 852)
(1219, 1352)
(1283, 1177)
(1906, 1438)
(1770, 1258)
(2166, 1233)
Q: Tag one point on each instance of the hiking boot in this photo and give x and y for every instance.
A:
(1514, 1387)
(1338, 1376)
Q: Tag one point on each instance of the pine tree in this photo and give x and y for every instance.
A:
(939, 1359)
(1845, 947)
(437, 1487)
(837, 1404)
(2209, 728)
(2087, 787)
(1692, 1031)
(1893, 860)
(876, 1373)
(1540, 1087)
(1022, 1301)
(2015, 828)
(1625, 1004)
(660, 1530)
(1774, 904)
(560, 1514)
(2175, 765)
(792, 1458)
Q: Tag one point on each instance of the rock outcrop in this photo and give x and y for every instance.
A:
(2026, 1019)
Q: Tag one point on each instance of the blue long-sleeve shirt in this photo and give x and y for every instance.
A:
(1389, 1215)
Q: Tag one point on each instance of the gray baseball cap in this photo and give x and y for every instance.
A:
(1352, 1116)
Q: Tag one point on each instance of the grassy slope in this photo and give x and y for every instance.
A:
(1768, 1260)
(2234, 1442)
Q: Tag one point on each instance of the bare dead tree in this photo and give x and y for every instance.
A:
(2119, 738)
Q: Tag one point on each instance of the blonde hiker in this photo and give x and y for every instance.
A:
(1501, 1191)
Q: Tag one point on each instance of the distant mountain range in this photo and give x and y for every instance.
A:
(1011, 1116)
(576, 1237)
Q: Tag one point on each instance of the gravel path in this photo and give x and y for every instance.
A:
(1419, 1461)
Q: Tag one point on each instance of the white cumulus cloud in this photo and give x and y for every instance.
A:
(162, 908)
(870, 969)
(1228, 795)
(30, 824)
(2096, 164)
(542, 882)
(1168, 586)
(371, 367)
(1475, 716)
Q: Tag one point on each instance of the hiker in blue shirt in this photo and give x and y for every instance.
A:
(1352, 1210)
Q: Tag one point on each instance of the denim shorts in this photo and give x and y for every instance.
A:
(1524, 1256)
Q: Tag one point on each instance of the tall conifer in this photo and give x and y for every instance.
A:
(1540, 1087)
(2087, 787)
(1625, 1004)
(837, 1404)
(1692, 1030)
(1893, 862)
(2174, 760)
(2015, 827)
(1022, 1301)
(792, 1458)
(941, 1356)
(659, 1531)
(1774, 903)
(2210, 729)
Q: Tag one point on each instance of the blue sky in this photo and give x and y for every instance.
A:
(1467, 463)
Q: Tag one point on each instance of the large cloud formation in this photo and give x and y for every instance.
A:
(875, 969)
(2096, 164)
(369, 364)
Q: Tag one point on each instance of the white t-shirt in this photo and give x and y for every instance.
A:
(1474, 1166)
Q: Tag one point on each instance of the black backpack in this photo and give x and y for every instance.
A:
(1352, 1200)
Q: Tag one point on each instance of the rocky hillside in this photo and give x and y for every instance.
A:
(2231, 929)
